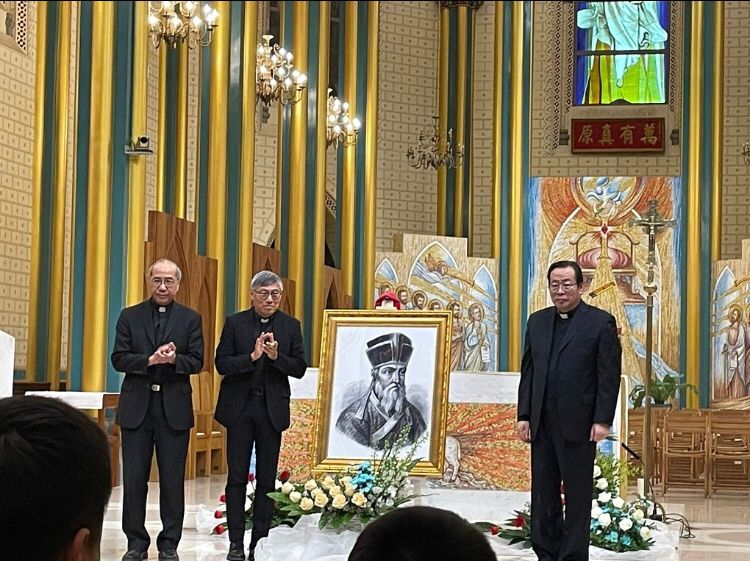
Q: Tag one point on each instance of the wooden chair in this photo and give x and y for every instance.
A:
(634, 437)
(729, 449)
(685, 458)
(207, 447)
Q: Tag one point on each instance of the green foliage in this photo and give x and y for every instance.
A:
(663, 391)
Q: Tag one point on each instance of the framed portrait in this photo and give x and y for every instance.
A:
(382, 374)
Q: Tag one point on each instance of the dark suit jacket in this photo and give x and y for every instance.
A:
(234, 362)
(589, 368)
(135, 342)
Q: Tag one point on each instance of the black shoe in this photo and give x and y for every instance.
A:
(135, 555)
(236, 552)
(169, 555)
(251, 554)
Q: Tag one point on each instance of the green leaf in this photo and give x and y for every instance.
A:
(325, 518)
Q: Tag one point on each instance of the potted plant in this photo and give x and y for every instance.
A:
(663, 391)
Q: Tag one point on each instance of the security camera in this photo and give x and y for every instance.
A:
(140, 146)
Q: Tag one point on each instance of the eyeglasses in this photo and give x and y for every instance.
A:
(264, 294)
(168, 282)
(566, 286)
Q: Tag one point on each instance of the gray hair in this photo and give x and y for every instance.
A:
(265, 278)
(177, 273)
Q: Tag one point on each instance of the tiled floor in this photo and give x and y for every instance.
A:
(721, 525)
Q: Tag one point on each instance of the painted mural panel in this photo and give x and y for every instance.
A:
(730, 332)
(435, 273)
(590, 220)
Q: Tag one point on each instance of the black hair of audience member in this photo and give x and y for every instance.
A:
(421, 533)
(55, 481)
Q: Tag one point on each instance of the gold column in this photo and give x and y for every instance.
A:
(137, 166)
(717, 155)
(98, 209)
(497, 134)
(443, 86)
(161, 135)
(181, 134)
(318, 272)
(458, 194)
(217, 157)
(60, 182)
(297, 160)
(469, 157)
(371, 149)
(693, 301)
(516, 188)
(247, 164)
(349, 190)
(36, 188)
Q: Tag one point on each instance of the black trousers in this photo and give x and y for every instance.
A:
(137, 450)
(252, 428)
(555, 460)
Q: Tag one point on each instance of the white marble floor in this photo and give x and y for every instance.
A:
(721, 525)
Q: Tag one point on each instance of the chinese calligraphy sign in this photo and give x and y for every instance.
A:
(618, 135)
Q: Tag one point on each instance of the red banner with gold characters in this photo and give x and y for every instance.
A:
(618, 135)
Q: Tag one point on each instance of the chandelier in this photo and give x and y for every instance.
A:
(276, 79)
(340, 128)
(433, 151)
(189, 22)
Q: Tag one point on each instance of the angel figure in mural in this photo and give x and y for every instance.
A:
(605, 199)
(747, 350)
(476, 344)
(457, 336)
(734, 354)
(439, 272)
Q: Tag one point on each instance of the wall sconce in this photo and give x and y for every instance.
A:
(433, 152)
(189, 22)
(340, 128)
(139, 146)
(276, 79)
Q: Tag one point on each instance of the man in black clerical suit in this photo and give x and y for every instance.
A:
(158, 344)
(384, 412)
(259, 349)
(570, 378)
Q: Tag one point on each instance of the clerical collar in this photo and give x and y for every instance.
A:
(567, 315)
(260, 319)
(159, 307)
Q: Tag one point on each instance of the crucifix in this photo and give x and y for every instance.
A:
(652, 222)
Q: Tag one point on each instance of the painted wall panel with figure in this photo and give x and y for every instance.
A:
(429, 273)
(591, 220)
(730, 332)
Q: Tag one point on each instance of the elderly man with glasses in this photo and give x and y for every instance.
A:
(158, 344)
(570, 377)
(258, 351)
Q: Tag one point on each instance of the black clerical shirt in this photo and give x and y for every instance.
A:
(559, 332)
(260, 325)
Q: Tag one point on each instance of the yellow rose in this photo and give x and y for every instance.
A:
(359, 499)
(295, 496)
(346, 479)
(306, 504)
(349, 490)
(339, 501)
(335, 490)
(310, 485)
(287, 488)
(321, 500)
(328, 482)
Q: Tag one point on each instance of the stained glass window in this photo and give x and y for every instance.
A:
(622, 52)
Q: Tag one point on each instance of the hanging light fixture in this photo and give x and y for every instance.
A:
(276, 79)
(432, 151)
(187, 22)
(340, 127)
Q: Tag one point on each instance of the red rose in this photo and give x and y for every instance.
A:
(219, 514)
(284, 476)
(223, 499)
(494, 530)
(220, 529)
(251, 477)
(519, 522)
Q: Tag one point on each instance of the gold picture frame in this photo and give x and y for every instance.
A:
(362, 351)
